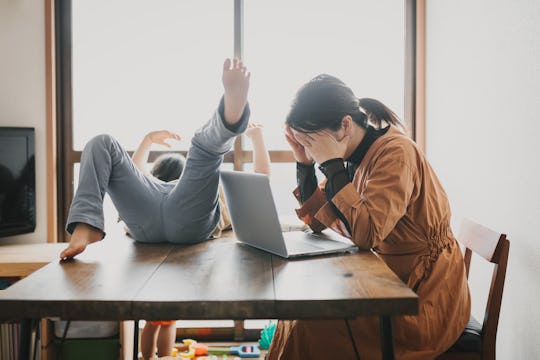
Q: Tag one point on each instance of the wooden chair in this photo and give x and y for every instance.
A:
(479, 341)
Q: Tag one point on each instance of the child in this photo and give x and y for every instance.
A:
(183, 212)
(169, 167)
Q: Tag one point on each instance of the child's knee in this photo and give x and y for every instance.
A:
(103, 143)
(99, 141)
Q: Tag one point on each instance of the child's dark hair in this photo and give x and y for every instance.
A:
(325, 100)
(168, 167)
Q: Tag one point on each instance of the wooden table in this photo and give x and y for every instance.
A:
(118, 279)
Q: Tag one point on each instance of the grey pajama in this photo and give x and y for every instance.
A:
(186, 211)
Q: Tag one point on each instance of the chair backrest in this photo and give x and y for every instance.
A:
(493, 247)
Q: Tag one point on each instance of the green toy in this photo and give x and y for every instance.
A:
(266, 335)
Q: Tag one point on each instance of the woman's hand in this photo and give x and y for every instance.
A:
(299, 152)
(159, 137)
(322, 145)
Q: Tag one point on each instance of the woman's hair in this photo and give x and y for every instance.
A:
(325, 100)
(168, 167)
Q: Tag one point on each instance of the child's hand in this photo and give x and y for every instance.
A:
(254, 130)
(159, 137)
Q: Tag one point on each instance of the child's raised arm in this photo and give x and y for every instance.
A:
(261, 159)
(140, 156)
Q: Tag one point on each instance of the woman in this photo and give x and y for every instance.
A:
(381, 192)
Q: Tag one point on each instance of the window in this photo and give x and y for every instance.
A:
(140, 66)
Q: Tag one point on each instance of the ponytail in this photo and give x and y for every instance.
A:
(377, 113)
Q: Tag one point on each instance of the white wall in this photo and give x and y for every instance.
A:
(22, 89)
(483, 109)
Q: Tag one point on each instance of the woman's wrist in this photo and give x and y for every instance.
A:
(306, 180)
(305, 164)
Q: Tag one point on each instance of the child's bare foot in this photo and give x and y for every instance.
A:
(236, 83)
(83, 235)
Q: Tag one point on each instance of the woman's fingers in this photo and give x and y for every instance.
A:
(303, 139)
(319, 136)
(292, 141)
(288, 134)
(289, 137)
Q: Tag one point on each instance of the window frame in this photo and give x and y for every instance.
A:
(60, 114)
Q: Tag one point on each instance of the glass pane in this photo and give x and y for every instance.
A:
(145, 65)
(289, 42)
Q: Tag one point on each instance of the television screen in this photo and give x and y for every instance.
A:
(17, 181)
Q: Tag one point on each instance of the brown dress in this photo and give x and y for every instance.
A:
(396, 206)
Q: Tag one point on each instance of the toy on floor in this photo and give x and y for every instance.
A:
(246, 351)
(191, 348)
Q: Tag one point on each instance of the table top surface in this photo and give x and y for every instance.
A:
(119, 279)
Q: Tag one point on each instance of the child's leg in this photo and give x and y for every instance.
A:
(166, 339)
(191, 209)
(106, 167)
(148, 340)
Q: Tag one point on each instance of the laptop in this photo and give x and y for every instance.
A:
(255, 220)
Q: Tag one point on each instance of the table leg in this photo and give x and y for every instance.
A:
(387, 340)
(136, 340)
